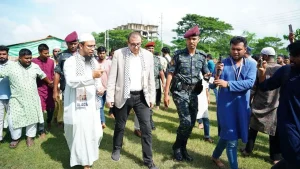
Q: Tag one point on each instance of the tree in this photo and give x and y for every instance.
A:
(251, 38)
(211, 31)
(117, 38)
(269, 42)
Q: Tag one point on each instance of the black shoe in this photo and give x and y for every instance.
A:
(186, 156)
(115, 155)
(177, 154)
(152, 166)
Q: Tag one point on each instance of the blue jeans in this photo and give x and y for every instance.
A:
(102, 116)
(231, 150)
(205, 126)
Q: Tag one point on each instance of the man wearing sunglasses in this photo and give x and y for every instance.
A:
(131, 85)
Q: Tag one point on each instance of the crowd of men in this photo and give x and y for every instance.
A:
(253, 94)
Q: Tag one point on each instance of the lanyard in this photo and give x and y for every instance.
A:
(237, 74)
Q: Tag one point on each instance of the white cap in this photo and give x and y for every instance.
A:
(56, 47)
(268, 51)
(86, 37)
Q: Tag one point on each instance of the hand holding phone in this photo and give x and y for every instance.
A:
(291, 34)
(219, 71)
(260, 61)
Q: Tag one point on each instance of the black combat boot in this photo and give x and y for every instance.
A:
(177, 150)
(184, 152)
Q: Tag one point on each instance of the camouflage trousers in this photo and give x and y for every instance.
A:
(187, 108)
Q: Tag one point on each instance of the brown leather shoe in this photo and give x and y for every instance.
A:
(218, 162)
(209, 140)
(138, 133)
(103, 126)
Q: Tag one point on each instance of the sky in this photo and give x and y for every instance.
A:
(26, 20)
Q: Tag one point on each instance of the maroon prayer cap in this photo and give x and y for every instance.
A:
(72, 37)
(192, 32)
(150, 44)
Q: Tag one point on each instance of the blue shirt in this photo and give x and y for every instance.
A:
(288, 112)
(4, 84)
(233, 109)
(211, 66)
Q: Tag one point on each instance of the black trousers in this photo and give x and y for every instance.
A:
(50, 112)
(138, 103)
(158, 96)
(283, 164)
(274, 145)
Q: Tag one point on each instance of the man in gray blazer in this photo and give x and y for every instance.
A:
(130, 85)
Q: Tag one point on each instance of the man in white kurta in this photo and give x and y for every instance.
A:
(83, 129)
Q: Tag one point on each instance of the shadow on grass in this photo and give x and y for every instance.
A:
(166, 117)
(165, 148)
(57, 148)
(160, 146)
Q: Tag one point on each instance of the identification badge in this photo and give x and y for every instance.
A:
(211, 80)
(81, 99)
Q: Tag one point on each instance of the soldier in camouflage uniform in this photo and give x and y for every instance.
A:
(184, 71)
(158, 74)
(72, 43)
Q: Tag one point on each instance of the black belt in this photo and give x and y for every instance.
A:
(187, 87)
(136, 92)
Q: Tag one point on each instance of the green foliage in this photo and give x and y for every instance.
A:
(158, 45)
(268, 42)
(209, 27)
(213, 33)
(215, 36)
(297, 35)
(117, 38)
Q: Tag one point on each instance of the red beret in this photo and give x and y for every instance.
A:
(192, 32)
(72, 37)
(150, 44)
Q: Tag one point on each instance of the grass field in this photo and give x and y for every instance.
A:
(53, 153)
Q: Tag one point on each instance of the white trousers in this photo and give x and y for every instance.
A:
(3, 108)
(17, 133)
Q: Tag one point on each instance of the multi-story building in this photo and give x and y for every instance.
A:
(148, 31)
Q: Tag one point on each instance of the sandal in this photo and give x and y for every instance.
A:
(218, 163)
(14, 143)
(29, 142)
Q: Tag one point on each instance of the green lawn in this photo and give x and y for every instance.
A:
(53, 153)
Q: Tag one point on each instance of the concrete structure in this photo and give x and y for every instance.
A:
(147, 31)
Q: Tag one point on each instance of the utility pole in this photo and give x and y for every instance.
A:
(161, 28)
(107, 38)
(104, 39)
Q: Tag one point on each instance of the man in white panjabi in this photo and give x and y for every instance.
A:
(83, 129)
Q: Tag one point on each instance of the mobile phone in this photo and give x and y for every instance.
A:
(219, 71)
(220, 59)
(260, 61)
(290, 28)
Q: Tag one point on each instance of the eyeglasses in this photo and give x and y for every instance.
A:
(135, 44)
(56, 51)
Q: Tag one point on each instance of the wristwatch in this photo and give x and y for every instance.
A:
(228, 85)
